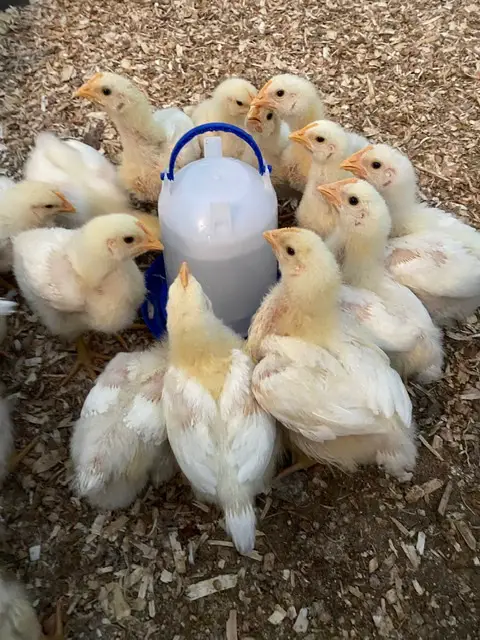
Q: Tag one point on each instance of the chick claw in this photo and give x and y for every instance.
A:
(303, 464)
(54, 625)
(85, 358)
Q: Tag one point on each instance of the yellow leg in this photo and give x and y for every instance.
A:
(85, 358)
(303, 463)
(139, 326)
(121, 341)
(17, 457)
(53, 626)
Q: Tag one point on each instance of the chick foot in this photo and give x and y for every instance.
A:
(303, 464)
(85, 359)
(53, 625)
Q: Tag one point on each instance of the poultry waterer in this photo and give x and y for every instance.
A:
(212, 213)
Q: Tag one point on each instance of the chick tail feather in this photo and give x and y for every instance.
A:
(61, 154)
(240, 524)
(425, 360)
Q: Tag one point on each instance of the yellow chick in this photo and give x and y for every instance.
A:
(271, 135)
(229, 103)
(432, 253)
(314, 158)
(296, 99)
(84, 279)
(147, 138)
(27, 205)
(79, 171)
(222, 440)
(394, 317)
(120, 438)
(335, 393)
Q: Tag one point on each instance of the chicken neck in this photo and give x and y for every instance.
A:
(402, 201)
(363, 261)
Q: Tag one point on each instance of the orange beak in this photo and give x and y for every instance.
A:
(332, 193)
(67, 206)
(151, 243)
(300, 136)
(88, 90)
(355, 165)
(272, 238)
(184, 274)
(266, 103)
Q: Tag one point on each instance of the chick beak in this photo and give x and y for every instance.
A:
(67, 206)
(151, 243)
(354, 163)
(272, 238)
(299, 136)
(331, 193)
(266, 103)
(184, 274)
(88, 90)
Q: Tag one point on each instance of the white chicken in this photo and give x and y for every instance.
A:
(120, 438)
(394, 317)
(147, 138)
(86, 278)
(222, 440)
(271, 135)
(325, 144)
(82, 173)
(433, 253)
(18, 620)
(229, 103)
(318, 376)
(23, 206)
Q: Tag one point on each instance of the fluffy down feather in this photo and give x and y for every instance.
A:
(120, 437)
(18, 620)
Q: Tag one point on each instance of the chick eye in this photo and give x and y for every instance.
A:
(320, 139)
(240, 103)
(49, 206)
(129, 239)
(106, 91)
(290, 251)
(269, 116)
(280, 93)
(353, 200)
(376, 164)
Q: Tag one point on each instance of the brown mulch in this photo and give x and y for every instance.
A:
(337, 556)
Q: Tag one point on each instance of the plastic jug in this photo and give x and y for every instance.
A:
(212, 213)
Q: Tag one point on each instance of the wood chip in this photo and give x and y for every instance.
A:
(416, 585)
(411, 554)
(278, 616)
(121, 609)
(420, 543)
(212, 585)
(429, 447)
(179, 556)
(232, 633)
(442, 507)
(301, 623)
(400, 527)
(464, 530)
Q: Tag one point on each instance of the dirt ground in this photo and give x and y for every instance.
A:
(337, 556)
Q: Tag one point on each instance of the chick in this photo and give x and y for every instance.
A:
(120, 437)
(230, 103)
(395, 318)
(27, 205)
(432, 253)
(315, 156)
(296, 99)
(86, 278)
(334, 392)
(271, 135)
(393, 175)
(18, 620)
(222, 440)
(147, 138)
(86, 177)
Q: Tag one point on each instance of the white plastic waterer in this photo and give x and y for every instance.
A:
(213, 213)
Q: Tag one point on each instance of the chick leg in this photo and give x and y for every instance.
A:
(303, 463)
(85, 358)
(122, 341)
(53, 626)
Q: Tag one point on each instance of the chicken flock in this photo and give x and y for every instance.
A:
(367, 278)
